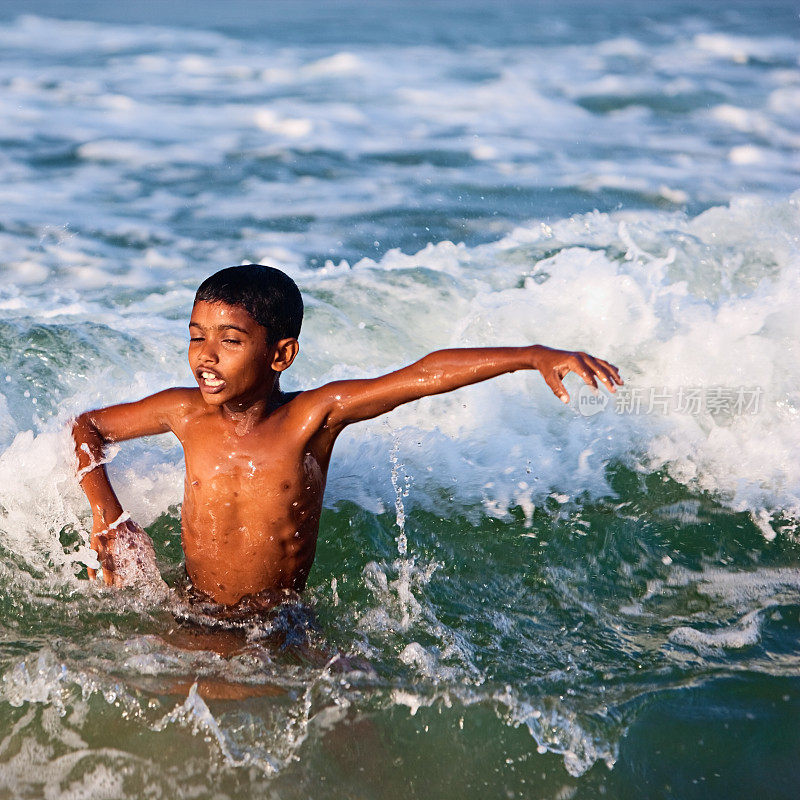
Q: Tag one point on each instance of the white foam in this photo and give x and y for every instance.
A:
(667, 324)
(135, 153)
(121, 118)
(747, 594)
(741, 48)
(42, 684)
(746, 154)
(745, 633)
(40, 498)
(741, 589)
(676, 302)
(196, 714)
(556, 729)
(267, 120)
(343, 63)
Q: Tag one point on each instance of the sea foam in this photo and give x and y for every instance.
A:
(680, 304)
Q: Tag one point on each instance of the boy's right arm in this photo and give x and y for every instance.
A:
(92, 431)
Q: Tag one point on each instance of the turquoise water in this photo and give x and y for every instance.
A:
(599, 600)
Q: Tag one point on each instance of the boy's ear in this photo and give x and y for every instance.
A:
(283, 353)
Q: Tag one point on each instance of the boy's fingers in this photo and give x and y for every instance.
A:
(586, 370)
(604, 371)
(554, 382)
(610, 370)
(597, 368)
(590, 369)
(614, 371)
(100, 544)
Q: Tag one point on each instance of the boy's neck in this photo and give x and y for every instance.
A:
(247, 413)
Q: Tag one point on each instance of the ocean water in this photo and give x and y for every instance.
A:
(583, 601)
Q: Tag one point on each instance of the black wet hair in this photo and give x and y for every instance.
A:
(268, 295)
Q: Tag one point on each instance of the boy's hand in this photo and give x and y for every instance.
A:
(103, 542)
(555, 364)
(124, 550)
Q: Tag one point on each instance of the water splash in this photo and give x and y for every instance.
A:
(401, 483)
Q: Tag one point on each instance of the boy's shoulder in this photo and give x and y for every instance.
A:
(176, 404)
(180, 396)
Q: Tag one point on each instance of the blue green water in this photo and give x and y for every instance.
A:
(598, 600)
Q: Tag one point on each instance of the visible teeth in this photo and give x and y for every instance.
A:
(211, 379)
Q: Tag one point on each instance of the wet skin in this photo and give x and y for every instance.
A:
(257, 458)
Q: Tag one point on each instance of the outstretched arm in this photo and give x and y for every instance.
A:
(445, 370)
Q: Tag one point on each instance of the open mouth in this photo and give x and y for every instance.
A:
(209, 381)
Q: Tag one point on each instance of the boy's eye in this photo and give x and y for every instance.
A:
(195, 338)
(231, 341)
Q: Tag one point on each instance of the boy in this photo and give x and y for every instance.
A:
(256, 457)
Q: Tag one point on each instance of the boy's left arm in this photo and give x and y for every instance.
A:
(445, 370)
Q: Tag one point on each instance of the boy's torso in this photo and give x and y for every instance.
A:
(252, 500)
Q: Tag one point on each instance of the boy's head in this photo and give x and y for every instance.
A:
(268, 295)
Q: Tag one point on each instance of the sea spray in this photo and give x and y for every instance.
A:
(401, 491)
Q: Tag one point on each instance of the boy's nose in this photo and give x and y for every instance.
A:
(208, 354)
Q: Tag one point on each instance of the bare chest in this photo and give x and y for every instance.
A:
(251, 477)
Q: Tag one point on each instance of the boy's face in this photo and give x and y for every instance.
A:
(229, 355)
